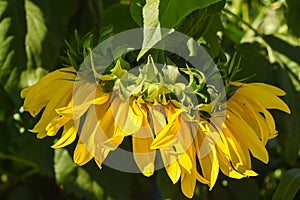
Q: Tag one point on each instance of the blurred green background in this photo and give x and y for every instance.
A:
(264, 33)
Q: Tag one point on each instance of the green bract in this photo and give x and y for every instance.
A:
(149, 83)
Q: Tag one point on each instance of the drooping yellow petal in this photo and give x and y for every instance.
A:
(75, 112)
(167, 136)
(248, 137)
(239, 157)
(143, 155)
(141, 142)
(55, 125)
(126, 116)
(81, 155)
(61, 98)
(38, 95)
(112, 143)
(186, 162)
(188, 184)
(158, 118)
(266, 87)
(265, 97)
(263, 115)
(185, 147)
(171, 165)
(68, 136)
(227, 169)
(207, 155)
(245, 111)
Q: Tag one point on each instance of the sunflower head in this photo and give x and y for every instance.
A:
(168, 112)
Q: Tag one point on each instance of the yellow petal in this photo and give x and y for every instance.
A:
(266, 87)
(209, 163)
(188, 184)
(226, 167)
(239, 157)
(171, 165)
(55, 125)
(99, 164)
(264, 97)
(112, 143)
(76, 112)
(126, 118)
(38, 95)
(167, 135)
(247, 136)
(60, 99)
(186, 162)
(158, 118)
(81, 155)
(143, 156)
(68, 136)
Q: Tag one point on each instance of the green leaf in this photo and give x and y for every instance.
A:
(29, 39)
(292, 16)
(87, 17)
(213, 40)
(35, 34)
(172, 12)
(288, 126)
(288, 185)
(168, 14)
(118, 16)
(263, 72)
(152, 32)
(57, 19)
(136, 8)
(12, 40)
(75, 179)
(293, 52)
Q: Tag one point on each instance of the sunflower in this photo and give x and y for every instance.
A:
(194, 139)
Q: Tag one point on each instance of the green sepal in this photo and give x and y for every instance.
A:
(171, 73)
(78, 50)
(118, 71)
(149, 70)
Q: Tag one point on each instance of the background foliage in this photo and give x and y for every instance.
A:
(264, 33)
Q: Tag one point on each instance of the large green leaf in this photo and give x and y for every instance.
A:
(293, 52)
(36, 32)
(172, 12)
(202, 21)
(288, 185)
(293, 15)
(57, 15)
(288, 126)
(12, 40)
(152, 31)
(87, 16)
(75, 179)
(168, 14)
(118, 16)
(136, 8)
(31, 36)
